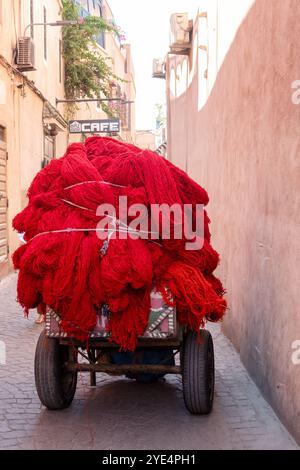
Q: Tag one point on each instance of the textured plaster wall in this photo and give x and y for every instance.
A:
(243, 145)
(21, 109)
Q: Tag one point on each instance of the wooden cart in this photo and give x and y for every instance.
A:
(59, 358)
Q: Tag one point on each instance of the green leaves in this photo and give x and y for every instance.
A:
(87, 72)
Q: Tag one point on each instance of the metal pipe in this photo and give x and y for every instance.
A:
(124, 368)
(86, 100)
(91, 100)
(56, 23)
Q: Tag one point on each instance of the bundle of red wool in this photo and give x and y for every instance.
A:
(66, 265)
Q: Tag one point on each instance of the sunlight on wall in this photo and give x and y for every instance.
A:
(216, 33)
(2, 92)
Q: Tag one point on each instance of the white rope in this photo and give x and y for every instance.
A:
(70, 230)
(106, 230)
(118, 222)
(129, 229)
(76, 205)
(113, 184)
(121, 223)
(91, 182)
(118, 225)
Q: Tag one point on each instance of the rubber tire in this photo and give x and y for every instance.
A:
(55, 386)
(198, 372)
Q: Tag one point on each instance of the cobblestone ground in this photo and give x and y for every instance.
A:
(122, 414)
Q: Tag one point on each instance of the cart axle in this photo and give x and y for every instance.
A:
(124, 368)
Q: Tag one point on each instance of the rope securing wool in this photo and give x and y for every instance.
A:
(67, 266)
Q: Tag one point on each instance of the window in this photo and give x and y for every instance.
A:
(49, 149)
(31, 19)
(100, 9)
(60, 61)
(2, 133)
(101, 37)
(129, 116)
(122, 113)
(125, 113)
(82, 8)
(45, 34)
(84, 11)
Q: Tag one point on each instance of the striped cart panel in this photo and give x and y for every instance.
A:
(162, 321)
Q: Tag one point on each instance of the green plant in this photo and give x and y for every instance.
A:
(87, 72)
(161, 118)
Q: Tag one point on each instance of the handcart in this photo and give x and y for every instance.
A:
(59, 358)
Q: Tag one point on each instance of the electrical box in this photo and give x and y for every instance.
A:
(25, 54)
(180, 33)
(159, 68)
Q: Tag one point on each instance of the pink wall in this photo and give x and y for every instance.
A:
(243, 146)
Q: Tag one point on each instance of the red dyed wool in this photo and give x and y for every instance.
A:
(64, 264)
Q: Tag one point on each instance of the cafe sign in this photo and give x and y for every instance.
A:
(96, 126)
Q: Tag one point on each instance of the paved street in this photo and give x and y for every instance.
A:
(122, 414)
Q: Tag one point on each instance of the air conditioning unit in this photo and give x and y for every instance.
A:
(180, 34)
(25, 54)
(159, 68)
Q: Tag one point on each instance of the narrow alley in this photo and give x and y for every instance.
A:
(149, 224)
(241, 418)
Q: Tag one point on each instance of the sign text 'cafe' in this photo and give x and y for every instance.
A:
(94, 126)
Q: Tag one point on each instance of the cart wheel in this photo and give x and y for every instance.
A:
(198, 372)
(55, 386)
